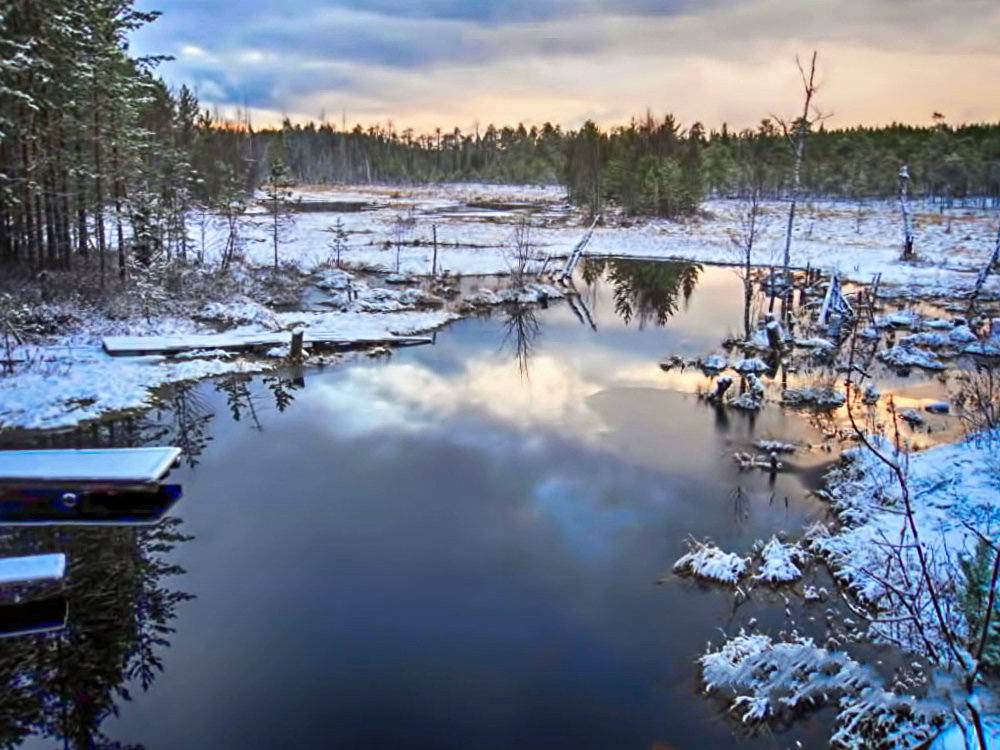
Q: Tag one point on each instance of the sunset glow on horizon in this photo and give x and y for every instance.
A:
(457, 63)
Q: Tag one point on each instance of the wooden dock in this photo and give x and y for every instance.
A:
(105, 466)
(133, 346)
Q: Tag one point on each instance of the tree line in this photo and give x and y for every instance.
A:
(102, 163)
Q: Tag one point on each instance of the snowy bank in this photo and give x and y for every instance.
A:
(70, 382)
(955, 497)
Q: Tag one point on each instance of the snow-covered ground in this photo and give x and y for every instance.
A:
(954, 507)
(73, 379)
(70, 379)
(477, 239)
(955, 497)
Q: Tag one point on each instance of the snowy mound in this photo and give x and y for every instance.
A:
(705, 560)
(781, 562)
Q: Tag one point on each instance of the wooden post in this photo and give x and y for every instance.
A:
(297, 339)
(434, 263)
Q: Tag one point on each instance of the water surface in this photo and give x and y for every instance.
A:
(464, 545)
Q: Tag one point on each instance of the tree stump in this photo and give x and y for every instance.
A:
(297, 345)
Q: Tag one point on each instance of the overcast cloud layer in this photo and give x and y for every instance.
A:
(448, 63)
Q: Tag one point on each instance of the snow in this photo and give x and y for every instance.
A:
(240, 310)
(781, 562)
(753, 398)
(70, 382)
(765, 679)
(871, 395)
(959, 335)
(119, 465)
(816, 343)
(821, 397)
(955, 499)
(714, 363)
(774, 446)
(32, 568)
(528, 294)
(477, 242)
(705, 560)
(751, 365)
(906, 355)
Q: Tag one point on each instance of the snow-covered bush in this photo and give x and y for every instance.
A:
(767, 680)
(781, 562)
(705, 560)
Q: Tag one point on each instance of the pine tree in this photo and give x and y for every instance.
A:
(278, 203)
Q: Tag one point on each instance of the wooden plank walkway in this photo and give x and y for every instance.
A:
(118, 466)
(131, 346)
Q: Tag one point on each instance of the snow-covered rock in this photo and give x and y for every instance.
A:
(713, 363)
(820, 396)
(904, 356)
(753, 365)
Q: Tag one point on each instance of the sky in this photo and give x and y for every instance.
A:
(427, 64)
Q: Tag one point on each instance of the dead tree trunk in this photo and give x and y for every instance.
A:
(983, 275)
(434, 262)
(797, 137)
(904, 181)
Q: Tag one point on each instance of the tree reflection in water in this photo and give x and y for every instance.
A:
(63, 684)
(520, 334)
(646, 291)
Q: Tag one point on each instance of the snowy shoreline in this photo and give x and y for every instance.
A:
(71, 380)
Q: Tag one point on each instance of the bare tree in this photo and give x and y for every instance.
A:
(923, 605)
(983, 275)
(904, 182)
(401, 229)
(521, 249)
(749, 222)
(796, 134)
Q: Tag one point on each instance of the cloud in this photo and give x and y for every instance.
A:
(452, 62)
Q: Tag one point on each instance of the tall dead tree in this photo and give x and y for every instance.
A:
(904, 181)
(750, 218)
(796, 135)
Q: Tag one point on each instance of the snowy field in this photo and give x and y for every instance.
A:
(475, 225)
